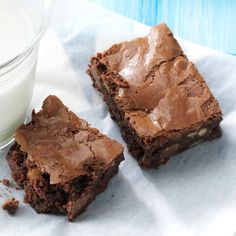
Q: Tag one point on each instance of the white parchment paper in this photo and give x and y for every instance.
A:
(194, 194)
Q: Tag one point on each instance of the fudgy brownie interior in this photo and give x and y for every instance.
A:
(61, 162)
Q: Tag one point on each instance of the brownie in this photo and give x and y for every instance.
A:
(61, 162)
(157, 96)
(10, 205)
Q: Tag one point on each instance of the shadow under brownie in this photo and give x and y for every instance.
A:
(158, 98)
(61, 162)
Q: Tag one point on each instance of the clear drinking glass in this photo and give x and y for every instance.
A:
(18, 59)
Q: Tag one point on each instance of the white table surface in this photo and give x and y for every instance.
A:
(194, 194)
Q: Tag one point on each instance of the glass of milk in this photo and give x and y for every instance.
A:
(22, 24)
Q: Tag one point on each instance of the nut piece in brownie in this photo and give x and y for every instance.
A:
(157, 96)
(60, 161)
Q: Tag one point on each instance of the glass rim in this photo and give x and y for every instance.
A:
(39, 34)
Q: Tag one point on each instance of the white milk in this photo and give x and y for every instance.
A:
(16, 32)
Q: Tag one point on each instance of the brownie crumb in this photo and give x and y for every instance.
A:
(5, 182)
(18, 188)
(10, 205)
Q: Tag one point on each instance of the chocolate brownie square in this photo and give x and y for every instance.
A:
(157, 96)
(61, 162)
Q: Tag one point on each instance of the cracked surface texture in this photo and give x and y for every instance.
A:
(164, 90)
(63, 145)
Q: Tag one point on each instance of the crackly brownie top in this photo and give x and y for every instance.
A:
(63, 145)
(165, 91)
